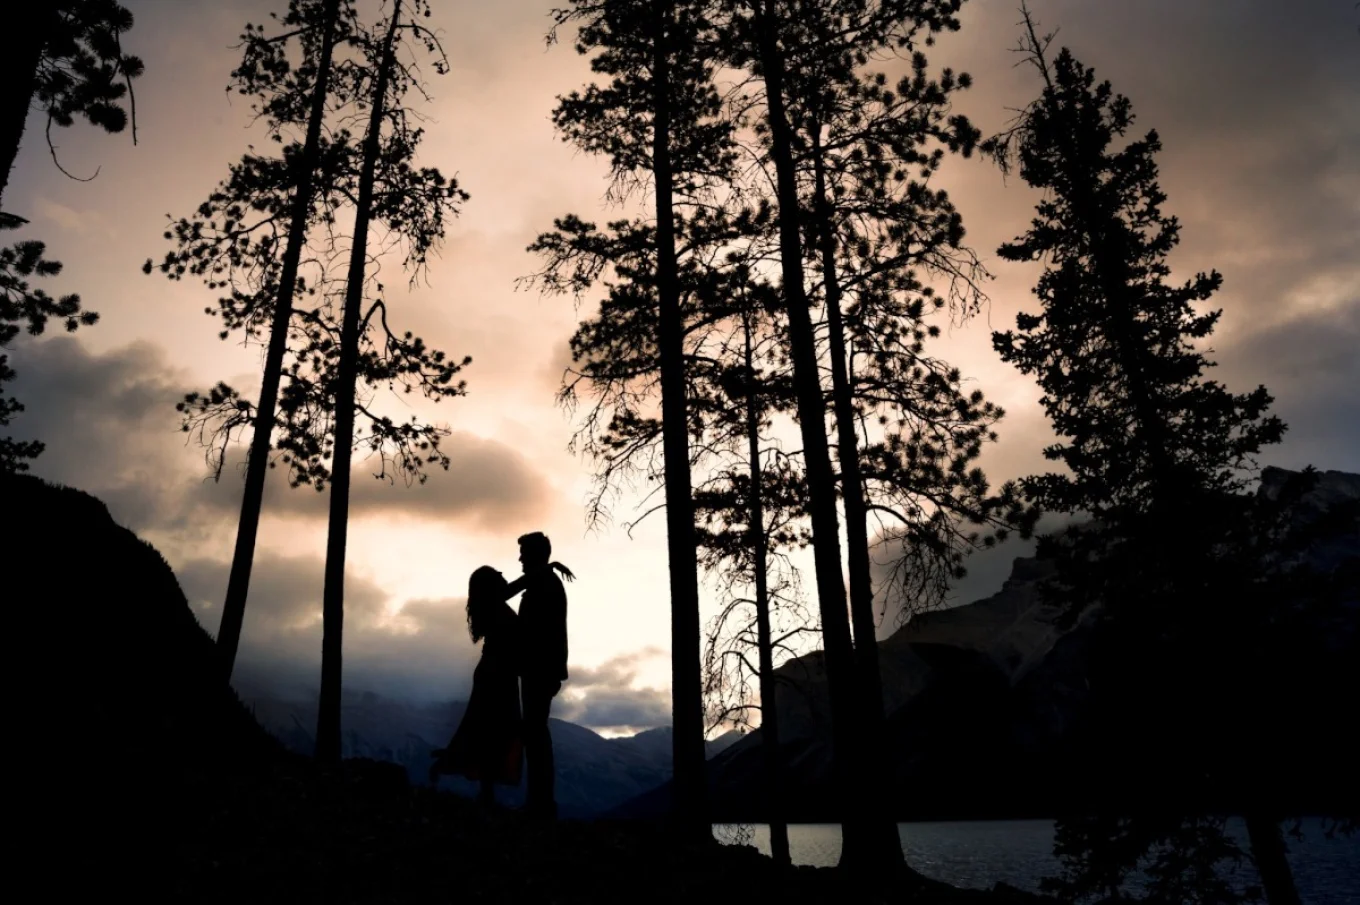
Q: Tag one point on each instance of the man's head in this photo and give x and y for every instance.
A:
(534, 550)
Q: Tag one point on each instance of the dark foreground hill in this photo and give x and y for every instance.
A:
(99, 619)
(361, 835)
(141, 778)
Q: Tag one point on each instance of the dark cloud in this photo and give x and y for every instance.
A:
(1258, 110)
(285, 593)
(1313, 371)
(603, 697)
(617, 709)
(111, 428)
(110, 425)
(421, 652)
(620, 670)
(488, 485)
(447, 616)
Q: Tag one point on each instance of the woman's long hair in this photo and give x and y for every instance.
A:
(486, 589)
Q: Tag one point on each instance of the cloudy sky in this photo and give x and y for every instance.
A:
(1258, 106)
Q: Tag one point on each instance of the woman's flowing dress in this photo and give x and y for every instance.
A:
(487, 745)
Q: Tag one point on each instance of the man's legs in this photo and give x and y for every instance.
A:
(537, 696)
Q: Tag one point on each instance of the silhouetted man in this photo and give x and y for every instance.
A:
(543, 665)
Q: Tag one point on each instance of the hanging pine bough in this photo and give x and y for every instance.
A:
(614, 377)
(28, 308)
(66, 58)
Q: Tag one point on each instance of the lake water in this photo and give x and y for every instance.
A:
(977, 854)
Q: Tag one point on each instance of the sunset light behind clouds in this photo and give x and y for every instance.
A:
(1257, 105)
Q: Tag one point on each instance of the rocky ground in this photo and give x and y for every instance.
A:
(362, 835)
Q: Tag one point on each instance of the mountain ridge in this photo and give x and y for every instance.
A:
(595, 773)
(989, 702)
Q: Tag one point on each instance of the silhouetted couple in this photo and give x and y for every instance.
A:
(524, 659)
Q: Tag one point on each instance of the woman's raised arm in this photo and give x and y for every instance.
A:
(519, 584)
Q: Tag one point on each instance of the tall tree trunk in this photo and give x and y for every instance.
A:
(883, 837)
(1269, 852)
(852, 771)
(23, 52)
(769, 708)
(328, 747)
(690, 785)
(257, 465)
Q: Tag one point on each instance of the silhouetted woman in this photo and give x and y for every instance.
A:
(487, 746)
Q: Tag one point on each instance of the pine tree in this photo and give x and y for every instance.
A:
(67, 56)
(1156, 454)
(864, 839)
(907, 433)
(656, 121)
(616, 366)
(328, 748)
(414, 202)
(767, 500)
(1144, 438)
(268, 238)
(782, 44)
(234, 242)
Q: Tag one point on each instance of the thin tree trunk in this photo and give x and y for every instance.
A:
(257, 465)
(769, 708)
(328, 749)
(884, 830)
(23, 53)
(1269, 852)
(690, 785)
(852, 773)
